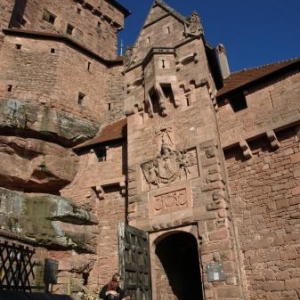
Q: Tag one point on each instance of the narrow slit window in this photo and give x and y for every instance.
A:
(188, 100)
(89, 64)
(48, 16)
(80, 99)
(70, 29)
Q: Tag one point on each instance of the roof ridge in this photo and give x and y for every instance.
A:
(267, 65)
(172, 10)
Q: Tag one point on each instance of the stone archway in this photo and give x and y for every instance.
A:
(178, 270)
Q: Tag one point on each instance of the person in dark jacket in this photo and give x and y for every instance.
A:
(112, 290)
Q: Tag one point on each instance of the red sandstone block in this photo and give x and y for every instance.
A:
(296, 190)
(219, 234)
(274, 286)
(292, 284)
(229, 292)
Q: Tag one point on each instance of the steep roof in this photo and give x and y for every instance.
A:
(249, 76)
(111, 132)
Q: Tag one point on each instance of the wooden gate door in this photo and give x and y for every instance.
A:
(134, 258)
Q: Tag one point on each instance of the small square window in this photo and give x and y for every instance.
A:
(70, 29)
(48, 16)
(18, 46)
(52, 50)
(238, 101)
(9, 88)
(80, 98)
(101, 153)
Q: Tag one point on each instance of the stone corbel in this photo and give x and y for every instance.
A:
(187, 59)
(132, 85)
(176, 93)
(246, 149)
(99, 192)
(122, 185)
(273, 139)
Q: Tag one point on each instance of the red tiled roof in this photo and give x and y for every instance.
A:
(110, 132)
(242, 78)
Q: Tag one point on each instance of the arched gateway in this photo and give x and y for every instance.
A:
(177, 268)
(160, 265)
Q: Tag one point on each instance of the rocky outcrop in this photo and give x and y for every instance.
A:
(48, 220)
(34, 165)
(35, 146)
(45, 123)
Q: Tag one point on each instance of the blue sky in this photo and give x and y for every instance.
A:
(254, 33)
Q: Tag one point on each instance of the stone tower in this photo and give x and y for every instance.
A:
(177, 184)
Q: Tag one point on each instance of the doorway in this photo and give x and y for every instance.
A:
(178, 268)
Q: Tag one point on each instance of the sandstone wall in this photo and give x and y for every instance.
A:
(265, 203)
(264, 184)
(93, 24)
(33, 73)
(270, 106)
(100, 187)
(6, 8)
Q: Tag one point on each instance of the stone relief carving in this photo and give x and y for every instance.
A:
(170, 164)
(171, 201)
(195, 27)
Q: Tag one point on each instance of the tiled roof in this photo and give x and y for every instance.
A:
(110, 132)
(242, 78)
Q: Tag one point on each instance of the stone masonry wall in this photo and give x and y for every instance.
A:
(265, 199)
(90, 26)
(99, 187)
(6, 8)
(270, 106)
(33, 73)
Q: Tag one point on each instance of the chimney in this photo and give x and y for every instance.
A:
(223, 62)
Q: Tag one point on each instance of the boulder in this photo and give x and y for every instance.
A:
(35, 166)
(32, 120)
(43, 218)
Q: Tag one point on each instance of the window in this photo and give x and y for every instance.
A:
(89, 65)
(52, 50)
(80, 98)
(18, 46)
(78, 11)
(70, 29)
(238, 101)
(101, 153)
(9, 88)
(48, 17)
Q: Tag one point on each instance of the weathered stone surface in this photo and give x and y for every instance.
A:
(28, 119)
(33, 216)
(35, 165)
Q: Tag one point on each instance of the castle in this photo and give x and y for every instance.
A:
(161, 164)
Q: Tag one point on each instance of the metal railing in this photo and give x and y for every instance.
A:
(16, 267)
